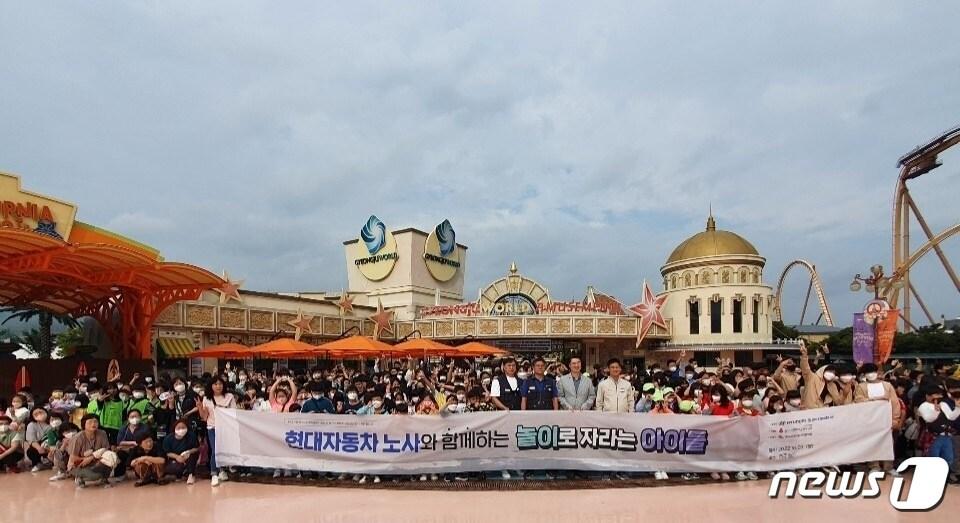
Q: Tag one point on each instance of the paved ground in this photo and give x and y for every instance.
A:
(31, 498)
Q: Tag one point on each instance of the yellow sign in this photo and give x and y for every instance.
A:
(440, 252)
(33, 212)
(376, 252)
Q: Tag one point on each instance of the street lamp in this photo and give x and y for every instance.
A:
(877, 283)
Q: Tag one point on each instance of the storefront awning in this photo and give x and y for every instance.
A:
(175, 347)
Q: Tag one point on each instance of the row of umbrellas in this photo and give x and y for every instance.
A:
(345, 348)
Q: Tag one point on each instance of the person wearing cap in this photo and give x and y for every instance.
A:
(645, 403)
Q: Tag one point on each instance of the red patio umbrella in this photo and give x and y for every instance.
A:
(22, 380)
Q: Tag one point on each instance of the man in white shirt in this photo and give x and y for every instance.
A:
(615, 394)
(505, 388)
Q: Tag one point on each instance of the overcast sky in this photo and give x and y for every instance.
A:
(582, 140)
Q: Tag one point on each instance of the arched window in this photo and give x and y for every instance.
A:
(756, 276)
(687, 279)
(673, 281)
(705, 278)
(743, 276)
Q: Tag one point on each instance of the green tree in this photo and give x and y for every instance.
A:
(68, 340)
(31, 341)
(781, 331)
(46, 320)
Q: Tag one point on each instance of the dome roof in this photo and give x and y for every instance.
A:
(712, 242)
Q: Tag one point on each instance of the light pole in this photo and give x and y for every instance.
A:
(877, 283)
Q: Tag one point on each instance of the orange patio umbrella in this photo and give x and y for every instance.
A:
(475, 348)
(285, 348)
(224, 351)
(357, 346)
(425, 347)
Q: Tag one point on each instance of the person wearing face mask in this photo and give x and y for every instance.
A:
(35, 438)
(127, 439)
(11, 445)
(374, 404)
(142, 404)
(819, 389)
(281, 399)
(793, 402)
(183, 404)
(645, 403)
(60, 454)
(846, 386)
(476, 401)
(875, 389)
(353, 403)
(181, 451)
(319, 402)
(787, 376)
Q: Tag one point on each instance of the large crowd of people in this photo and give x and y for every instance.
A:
(162, 429)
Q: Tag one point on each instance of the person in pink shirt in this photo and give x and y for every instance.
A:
(282, 398)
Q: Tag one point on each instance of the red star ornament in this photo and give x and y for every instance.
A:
(345, 303)
(229, 290)
(301, 324)
(648, 311)
(381, 320)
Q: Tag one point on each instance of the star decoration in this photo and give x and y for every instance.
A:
(649, 312)
(301, 325)
(229, 290)
(381, 320)
(345, 303)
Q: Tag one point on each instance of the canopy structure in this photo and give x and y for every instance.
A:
(50, 261)
(475, 348)
(425, 347)
(357, 346)
(285, 348)
(224, 351)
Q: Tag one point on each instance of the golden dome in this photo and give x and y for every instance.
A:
(712, 242)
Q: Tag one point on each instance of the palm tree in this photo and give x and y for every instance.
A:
(45, 319)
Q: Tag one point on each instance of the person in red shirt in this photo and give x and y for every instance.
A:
(719, 402)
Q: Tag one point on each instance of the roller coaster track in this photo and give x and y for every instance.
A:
(815, 286)
(914, 164)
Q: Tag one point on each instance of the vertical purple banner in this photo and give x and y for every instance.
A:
(862, 340)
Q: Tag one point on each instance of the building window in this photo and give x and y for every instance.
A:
(705, 278)
(673, 281)
(687, 279)
(738, 315)
(743, 358)
(706, 358)
(694, 317)
(716, 316)
(756, 315)
(756, 276)
(743, 276)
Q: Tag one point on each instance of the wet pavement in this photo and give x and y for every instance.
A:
(31, 498)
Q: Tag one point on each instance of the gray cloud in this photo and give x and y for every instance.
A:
(583, 142)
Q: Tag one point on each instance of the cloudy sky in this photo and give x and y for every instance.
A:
(582, 140)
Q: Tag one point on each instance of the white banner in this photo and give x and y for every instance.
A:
(553, 440)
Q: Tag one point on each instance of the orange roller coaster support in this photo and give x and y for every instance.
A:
(914, 164)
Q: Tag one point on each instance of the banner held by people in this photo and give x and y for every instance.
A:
(553, 440)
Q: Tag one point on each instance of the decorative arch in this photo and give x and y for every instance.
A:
(513, 284)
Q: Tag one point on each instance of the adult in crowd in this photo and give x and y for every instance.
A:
(574, 390)
(615, 394)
